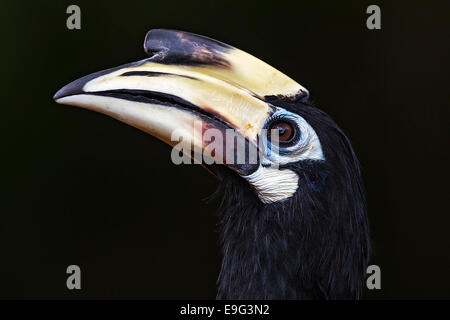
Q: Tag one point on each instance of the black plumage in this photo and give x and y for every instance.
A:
(280, 240)
(314, 245)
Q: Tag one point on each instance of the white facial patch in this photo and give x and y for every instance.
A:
(273, 184)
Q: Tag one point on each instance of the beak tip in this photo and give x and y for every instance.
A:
(73, 88)
(59, 94)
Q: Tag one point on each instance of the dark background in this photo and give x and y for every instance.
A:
(81, 188)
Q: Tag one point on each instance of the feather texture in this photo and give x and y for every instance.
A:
(313, 245)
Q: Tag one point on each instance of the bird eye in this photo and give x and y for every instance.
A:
(287, 131)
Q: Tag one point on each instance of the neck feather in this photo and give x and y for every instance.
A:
(295, 249)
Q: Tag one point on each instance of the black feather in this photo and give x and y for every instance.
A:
(313, 245)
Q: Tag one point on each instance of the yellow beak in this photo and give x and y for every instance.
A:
(188, 84)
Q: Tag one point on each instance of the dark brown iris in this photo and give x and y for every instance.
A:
(285, 131)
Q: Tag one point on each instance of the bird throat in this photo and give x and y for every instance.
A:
(261, 246)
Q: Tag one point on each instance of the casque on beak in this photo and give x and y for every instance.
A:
(186, 81)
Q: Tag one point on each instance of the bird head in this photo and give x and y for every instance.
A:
(296, 162)
(191, 84)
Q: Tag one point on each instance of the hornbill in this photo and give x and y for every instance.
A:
(295, 230)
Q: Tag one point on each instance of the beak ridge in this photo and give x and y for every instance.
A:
(77, 86)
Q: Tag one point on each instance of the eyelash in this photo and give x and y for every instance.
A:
(274, 117)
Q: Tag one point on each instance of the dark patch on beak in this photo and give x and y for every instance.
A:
(300, 96)
(163, 99)
(183, 48)
(154, 74)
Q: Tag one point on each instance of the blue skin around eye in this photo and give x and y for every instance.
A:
(280, 115)
(314, 176)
